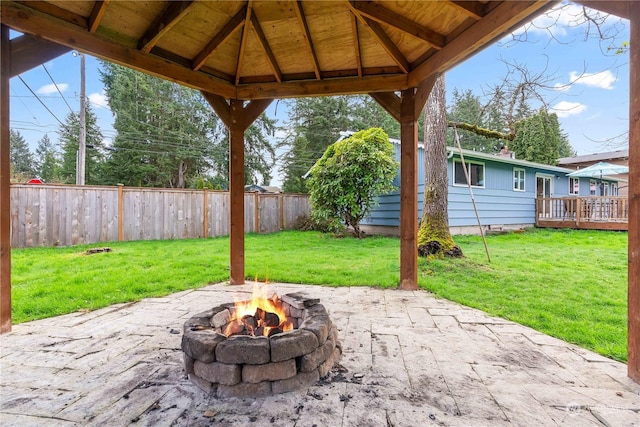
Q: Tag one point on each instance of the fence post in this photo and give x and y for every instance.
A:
(120, 212)
(256, 207)
(205, 213)
(281, 199)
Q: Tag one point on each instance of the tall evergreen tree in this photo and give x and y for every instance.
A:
(20, 157)
(69, 135)
(46, 160)
(540, 139)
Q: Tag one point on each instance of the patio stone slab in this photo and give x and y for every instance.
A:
(409, 359)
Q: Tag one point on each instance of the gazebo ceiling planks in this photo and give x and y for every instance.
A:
(266, 49)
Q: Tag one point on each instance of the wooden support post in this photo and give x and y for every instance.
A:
(120, 212)
(5, 184)
(633, 308)
(408, 191)
(205, 214)
(236, 193)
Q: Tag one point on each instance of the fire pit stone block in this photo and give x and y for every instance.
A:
(313, 360)
(216, 372)
(245, 390)
(269, 371)
(201, 344)
(302, 379)
(244, 349)
(292, 344)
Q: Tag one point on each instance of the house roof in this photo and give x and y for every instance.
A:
(593, 158)
(270, 49)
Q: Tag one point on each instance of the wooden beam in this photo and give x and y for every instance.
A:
(220, 106)
(338, 86)
(408, 192)
(307, 36)
(633, 301)
(97, 13)
(172, 14)
(378, 12)
(267, 49)
(506, 16)
(389, 101)
(29, 51)
(60, 13)
(474, 9)
(252, 111)
(22, 18)
(243, 40)
(356, 44)
(387, 44)
(612, 7)
(236, 193)
(422, 93)
(5, 183)
(223, 35)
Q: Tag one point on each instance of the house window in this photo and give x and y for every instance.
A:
(475, 171)
(518, 179)
(593, 187)
(574, 186)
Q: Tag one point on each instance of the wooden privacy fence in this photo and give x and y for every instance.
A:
(593, 212)
(62, 215)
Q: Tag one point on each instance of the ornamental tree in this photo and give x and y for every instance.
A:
(351, 173)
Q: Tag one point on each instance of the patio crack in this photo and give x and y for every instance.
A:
(444, 379)
(506, 417)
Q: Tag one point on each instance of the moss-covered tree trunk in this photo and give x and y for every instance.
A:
(434, 237)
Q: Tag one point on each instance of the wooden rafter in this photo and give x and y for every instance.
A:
(243, 41)
(59, 13)
(25, 19)
(220, 106)
(386, 42)
(265, 46)
(474, 9)
(99, 8)
(307, 37)
(223, 35)
(172, 14)
(422, 93)
(29, 51)
(356, 44)
(379, 13)
(503, 17)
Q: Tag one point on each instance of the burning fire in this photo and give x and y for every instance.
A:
(260, 316)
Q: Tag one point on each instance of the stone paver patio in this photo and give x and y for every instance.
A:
(409, 360)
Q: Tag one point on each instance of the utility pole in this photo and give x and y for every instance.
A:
(82, 141)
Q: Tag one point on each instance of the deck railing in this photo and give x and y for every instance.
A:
(594, 212)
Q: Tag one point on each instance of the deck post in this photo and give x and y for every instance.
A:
(5, 184)
(633, 366)
(408, 191)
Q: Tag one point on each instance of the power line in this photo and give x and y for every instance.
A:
(57, 88)
(38, 98)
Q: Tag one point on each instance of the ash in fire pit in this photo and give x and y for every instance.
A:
(260, 347)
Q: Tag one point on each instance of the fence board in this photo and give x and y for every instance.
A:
(52, 215)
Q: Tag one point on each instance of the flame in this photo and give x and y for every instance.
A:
(259, 301)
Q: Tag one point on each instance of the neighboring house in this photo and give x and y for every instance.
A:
(262, 188)
(504, 189)
(619, 157)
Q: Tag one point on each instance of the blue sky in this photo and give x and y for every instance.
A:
(593, 110)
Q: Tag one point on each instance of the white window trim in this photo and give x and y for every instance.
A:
(572, 187)
(467, 163)
(595, 182)
(524, 183)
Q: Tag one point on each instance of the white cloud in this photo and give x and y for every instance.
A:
(51, 89)
(602, 80)
(566, 108)
(99, 100)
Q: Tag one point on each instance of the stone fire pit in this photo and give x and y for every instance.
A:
(250, 366)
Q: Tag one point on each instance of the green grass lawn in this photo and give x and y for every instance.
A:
(566, 283)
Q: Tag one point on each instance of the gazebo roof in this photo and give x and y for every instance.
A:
(273, 49)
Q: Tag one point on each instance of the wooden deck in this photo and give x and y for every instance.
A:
(593, 212)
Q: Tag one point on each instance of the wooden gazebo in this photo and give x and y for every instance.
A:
(243, 54)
